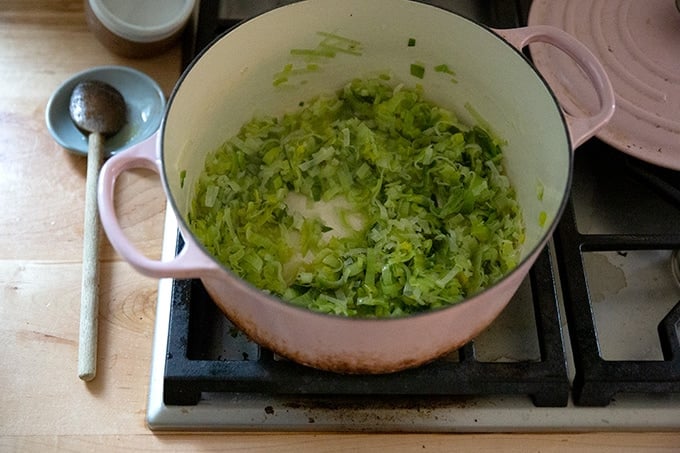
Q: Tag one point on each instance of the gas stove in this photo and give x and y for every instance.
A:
(589, 342)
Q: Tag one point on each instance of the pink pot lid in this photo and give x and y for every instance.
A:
(639, 45)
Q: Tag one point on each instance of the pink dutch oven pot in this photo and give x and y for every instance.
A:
(231, 81)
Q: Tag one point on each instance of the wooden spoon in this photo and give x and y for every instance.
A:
(99, 110)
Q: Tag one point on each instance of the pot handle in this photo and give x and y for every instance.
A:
(191, 262)
(580, 128)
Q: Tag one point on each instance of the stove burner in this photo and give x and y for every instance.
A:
(597, 380)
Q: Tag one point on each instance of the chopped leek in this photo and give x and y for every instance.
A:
(313, 58)
(417, 70)
(370, 203)
(445, 69)
(540, 190)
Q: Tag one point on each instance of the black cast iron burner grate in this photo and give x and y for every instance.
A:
(597, 380)
(193, 315)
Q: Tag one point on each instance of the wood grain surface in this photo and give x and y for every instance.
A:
(43, 404)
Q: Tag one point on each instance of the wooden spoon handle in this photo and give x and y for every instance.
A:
(89, 302)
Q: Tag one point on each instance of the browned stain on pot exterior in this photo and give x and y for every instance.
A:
(343, 364)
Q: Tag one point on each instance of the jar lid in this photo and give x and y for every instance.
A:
(143, 20)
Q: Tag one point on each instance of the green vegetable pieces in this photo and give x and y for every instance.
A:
(369, 203)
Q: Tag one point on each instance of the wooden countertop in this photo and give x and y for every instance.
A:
(43, 404)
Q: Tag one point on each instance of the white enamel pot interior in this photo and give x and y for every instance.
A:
(233, 80)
